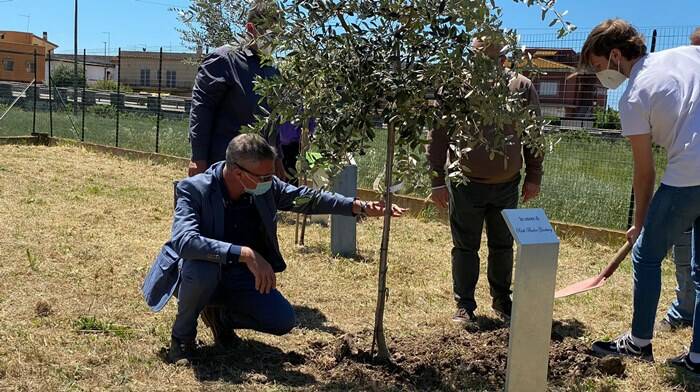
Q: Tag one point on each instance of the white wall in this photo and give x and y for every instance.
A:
(93, 72)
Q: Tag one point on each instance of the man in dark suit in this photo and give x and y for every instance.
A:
(224, 245)
(223, 96)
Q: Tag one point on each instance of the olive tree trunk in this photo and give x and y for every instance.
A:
(382, 291)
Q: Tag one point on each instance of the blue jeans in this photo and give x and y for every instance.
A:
(203, 282)
(683, 307)
(671, 212)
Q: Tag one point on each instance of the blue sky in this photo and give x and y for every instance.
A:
(133, 24)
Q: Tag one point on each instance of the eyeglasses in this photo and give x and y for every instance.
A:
(260, 178)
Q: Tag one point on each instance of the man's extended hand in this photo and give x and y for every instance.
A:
(530, 191)
(196, 167)
(376, 208)
(440, 196)
(265, 279)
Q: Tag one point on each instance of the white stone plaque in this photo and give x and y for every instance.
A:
(533, 299)
(530, 226)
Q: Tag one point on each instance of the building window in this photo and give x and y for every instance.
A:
(145, 77)
(8, 64)
(170, 79)
(30, 67)
(549, 89)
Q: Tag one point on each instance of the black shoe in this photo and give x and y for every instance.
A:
(684, 363)
(623, 347)
(223, 336)
(464, 316)
(180, 352)
(668, 325)
(503, 309)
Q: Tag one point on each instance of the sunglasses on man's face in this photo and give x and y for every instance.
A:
(260, 178)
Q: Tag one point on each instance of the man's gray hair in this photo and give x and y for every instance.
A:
(248, 147)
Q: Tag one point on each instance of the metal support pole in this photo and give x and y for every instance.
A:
(160, 80)
(82, 99)
(36, 93)
(75, 59)
(119, 97)
(50, 99)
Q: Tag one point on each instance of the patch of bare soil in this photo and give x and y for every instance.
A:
(452, 360)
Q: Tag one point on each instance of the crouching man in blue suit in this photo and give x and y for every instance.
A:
(224, 246)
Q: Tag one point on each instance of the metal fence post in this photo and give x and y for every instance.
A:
(160, 79)
(82, 99)
(36, 92)
(50, 99)
(119, 99)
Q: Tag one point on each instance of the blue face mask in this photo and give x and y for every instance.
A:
(260, 189)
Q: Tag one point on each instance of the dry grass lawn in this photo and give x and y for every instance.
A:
(78, 233)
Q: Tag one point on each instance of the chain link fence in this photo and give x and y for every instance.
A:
(141, 99)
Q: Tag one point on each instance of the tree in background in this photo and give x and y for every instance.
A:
(408, 64)
(63, 75)
(607, 118)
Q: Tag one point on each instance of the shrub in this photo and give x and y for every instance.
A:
(63, 76)
(111, 85)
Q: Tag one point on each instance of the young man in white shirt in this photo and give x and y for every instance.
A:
(660, 105)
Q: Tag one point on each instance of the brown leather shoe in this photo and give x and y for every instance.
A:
(223, 336)
(181, 352)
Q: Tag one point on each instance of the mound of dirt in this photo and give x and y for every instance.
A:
(454, 359)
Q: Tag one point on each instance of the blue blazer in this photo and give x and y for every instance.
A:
(198, 227)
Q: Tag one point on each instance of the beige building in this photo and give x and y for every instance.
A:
(139, 70)
(17, 56)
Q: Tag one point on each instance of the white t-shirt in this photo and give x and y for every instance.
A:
(663, 98)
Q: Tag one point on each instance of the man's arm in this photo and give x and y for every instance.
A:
(437, 155)
(312, 201)
(643, 182)
(533, 161)
(210, 86)
(186, 237)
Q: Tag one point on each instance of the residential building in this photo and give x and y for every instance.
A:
(139, 70)
(96, 67)
(17, 56)
(565, 93)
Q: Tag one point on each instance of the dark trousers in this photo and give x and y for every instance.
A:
(472, 205)
(203, 283)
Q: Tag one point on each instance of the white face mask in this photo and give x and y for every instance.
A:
(611, 78)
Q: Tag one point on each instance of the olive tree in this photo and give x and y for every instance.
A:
(408, 64)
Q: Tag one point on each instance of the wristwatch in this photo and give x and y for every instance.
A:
(363, 210)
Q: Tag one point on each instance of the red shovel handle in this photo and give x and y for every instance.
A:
(616, 261)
